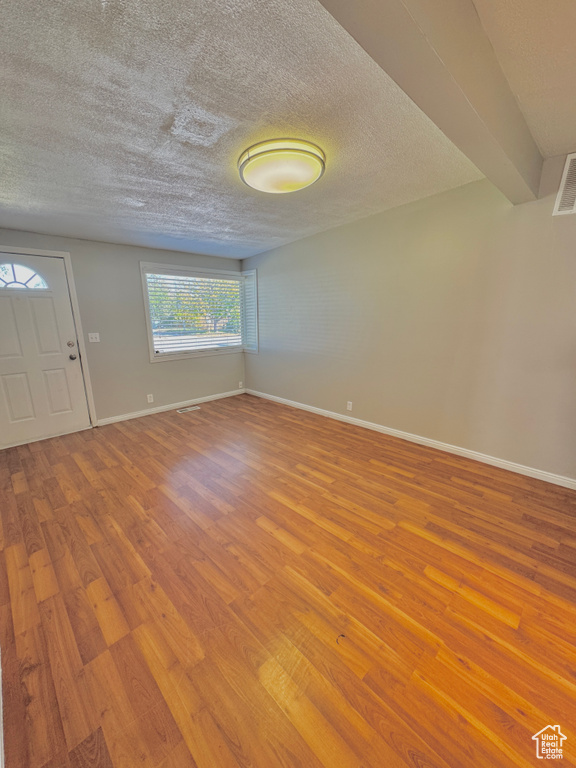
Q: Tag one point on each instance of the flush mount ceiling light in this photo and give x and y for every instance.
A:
(281, 165)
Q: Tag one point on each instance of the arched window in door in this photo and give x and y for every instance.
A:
(19, 276)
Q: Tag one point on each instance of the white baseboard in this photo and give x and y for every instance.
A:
(171, 407)
(539, 474)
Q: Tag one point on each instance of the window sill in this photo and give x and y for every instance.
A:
(168, 356)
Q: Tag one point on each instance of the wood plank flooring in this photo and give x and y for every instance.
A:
(249, 585)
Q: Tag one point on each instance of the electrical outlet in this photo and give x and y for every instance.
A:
(93, 337)
(150, 398)
(240, 384)
(349, 405)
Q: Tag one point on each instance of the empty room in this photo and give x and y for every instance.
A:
(287, 384)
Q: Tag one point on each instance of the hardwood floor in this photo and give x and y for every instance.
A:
(252, 585)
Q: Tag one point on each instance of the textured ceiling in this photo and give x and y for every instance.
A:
(535, 45)
(122, 121)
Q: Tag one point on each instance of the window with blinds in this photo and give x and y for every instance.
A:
(199, 312)
(250, 311)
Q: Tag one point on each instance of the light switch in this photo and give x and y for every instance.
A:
(93, 337)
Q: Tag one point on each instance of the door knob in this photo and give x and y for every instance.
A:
(72, 357)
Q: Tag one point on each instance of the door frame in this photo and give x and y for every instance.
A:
(65, 256)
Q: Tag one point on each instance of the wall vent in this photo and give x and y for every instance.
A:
(566, 200)
(190, 408)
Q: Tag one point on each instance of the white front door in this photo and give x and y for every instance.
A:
(41, 384)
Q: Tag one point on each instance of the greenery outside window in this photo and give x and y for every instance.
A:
(199, 312)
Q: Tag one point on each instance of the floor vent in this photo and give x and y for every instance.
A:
(190, 408)
(566, 200)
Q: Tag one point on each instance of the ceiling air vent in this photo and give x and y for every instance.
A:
(566, 200)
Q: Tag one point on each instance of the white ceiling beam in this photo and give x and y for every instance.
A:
(438, 53)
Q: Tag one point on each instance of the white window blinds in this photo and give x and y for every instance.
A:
(250, 310)
(199, 311)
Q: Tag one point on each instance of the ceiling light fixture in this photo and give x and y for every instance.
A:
(281, 165)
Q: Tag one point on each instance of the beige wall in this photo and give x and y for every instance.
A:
(109, 290)
(453, 318)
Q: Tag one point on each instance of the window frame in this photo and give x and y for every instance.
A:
(147, 268)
